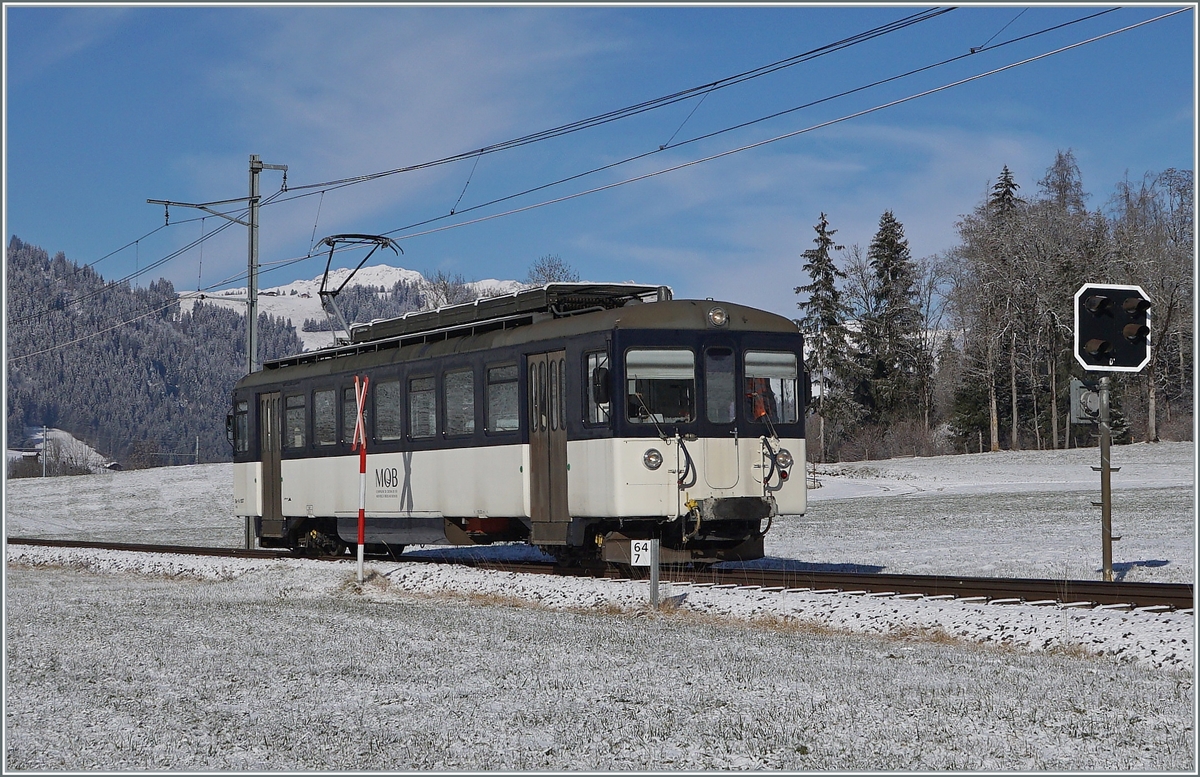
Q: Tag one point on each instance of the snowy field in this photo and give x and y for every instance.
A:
(120, 661)
(1018, 514)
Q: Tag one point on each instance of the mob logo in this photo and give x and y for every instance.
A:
(388, 477)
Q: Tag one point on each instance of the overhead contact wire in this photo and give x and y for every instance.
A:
(283, 263)
(794, 133)
(638, 108)
(645, 154)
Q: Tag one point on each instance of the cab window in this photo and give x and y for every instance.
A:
(596, 385)
(719, 387)
(771, 378)
(241, 426)
(660, 385)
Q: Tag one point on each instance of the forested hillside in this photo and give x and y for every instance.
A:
(366, 303)
(137, 392)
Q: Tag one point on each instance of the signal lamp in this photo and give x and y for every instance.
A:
(1096, 304)
(1097, 347)
(1135, 306)
(1135, 331)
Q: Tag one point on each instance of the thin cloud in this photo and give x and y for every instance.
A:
(64, 33)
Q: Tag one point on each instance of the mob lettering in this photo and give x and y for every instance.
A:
(387, 477)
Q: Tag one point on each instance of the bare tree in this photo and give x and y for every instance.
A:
(858, 282)
(442, 288)
(550, 269)
(979, 294)
(1153, 236)
(1018, 267)
(931, 302)
(59, 456)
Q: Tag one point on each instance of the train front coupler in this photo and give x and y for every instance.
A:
(718, 518)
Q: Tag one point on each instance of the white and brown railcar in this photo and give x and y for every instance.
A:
(575, 417)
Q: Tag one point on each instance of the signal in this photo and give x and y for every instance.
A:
(1112, 328)
(1085, 402)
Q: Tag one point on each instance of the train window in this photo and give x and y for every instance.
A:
(502, 415)
(660, 385)
(553, 394)
(597, 380)
(459, 388)
(422, 410)
(294, 422)
(241, 426)
(719, 388)
(325, 417)
(771, 386)
(541, 396)
(562, 393)
(349, 415)
(388, 410)
(533, 398)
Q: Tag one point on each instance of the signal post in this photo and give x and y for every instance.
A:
(1112, 334)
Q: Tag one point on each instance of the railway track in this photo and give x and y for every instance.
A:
(188, 550)
(1175, 596)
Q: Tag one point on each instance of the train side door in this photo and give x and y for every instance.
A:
(269, 428)
(548, 447)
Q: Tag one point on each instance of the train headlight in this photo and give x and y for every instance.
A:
(718, 317)
(652, 459)
(783, 459)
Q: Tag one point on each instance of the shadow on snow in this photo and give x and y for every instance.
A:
(792, 565)
(1123, 568)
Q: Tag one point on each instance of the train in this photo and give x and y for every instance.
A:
(575, 417)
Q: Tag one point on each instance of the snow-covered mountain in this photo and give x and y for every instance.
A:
(299, 300)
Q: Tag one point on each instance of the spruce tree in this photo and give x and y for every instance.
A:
(889, 338)
(1004, 200)
(823, 322)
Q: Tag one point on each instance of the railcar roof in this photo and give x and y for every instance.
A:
(673, 315)
(557, 299)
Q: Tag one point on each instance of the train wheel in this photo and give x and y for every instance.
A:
(567, 557)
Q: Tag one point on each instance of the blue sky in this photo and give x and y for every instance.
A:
(107, 107)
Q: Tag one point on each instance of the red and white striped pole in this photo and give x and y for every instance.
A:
(360, 442)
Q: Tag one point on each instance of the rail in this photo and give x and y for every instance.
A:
(1067, 593)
